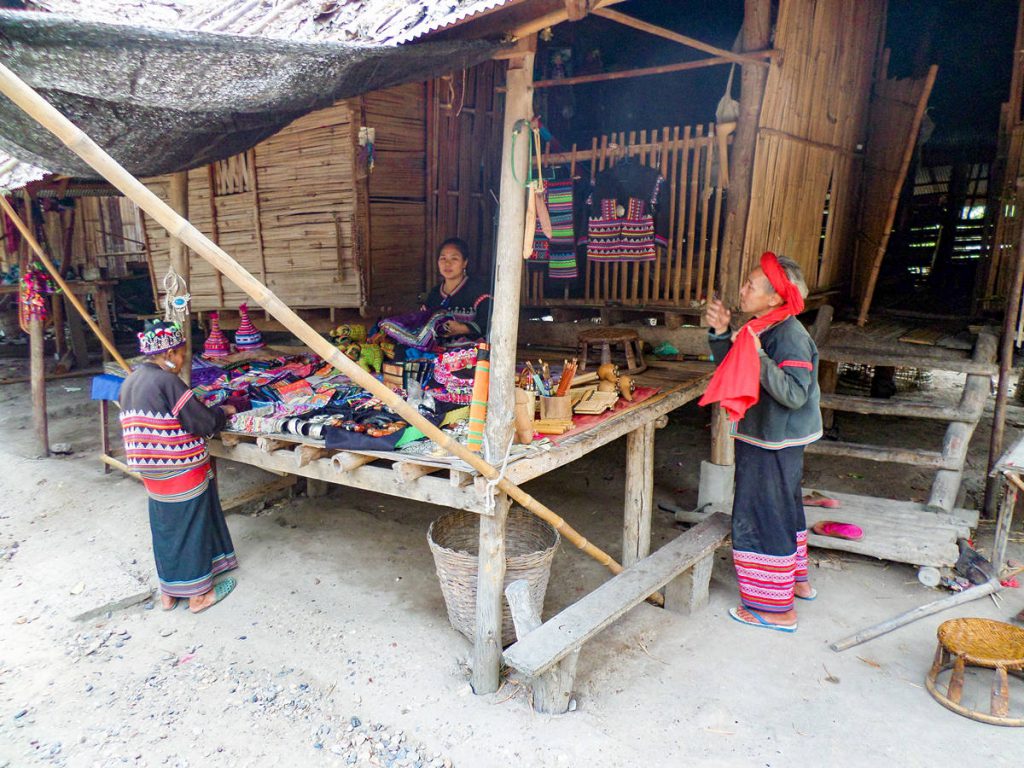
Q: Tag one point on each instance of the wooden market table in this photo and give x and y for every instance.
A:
(449, 482)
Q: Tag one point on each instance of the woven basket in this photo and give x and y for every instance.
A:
(530, 546)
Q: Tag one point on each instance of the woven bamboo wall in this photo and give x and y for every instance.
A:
(897, 107)
(813, 121)
(397, 191)
(686, 272)
(287, 216)
(464, 145)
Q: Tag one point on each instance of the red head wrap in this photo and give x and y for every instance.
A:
(737, 380)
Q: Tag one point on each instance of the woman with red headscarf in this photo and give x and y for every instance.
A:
(767, 382)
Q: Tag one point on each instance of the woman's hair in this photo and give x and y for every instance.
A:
(794, 274)
(458, 243)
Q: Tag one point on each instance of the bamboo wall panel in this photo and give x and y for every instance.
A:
(687, 271)
(397, 194)
(464, 125)
(813, 121)
(285, 210)
(897, 107)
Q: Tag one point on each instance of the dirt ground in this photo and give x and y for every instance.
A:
(335, 648)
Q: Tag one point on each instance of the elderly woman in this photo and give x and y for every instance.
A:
(164, 427)
(767, 382)
(455, 313)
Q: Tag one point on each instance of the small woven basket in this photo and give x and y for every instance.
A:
(454, 539)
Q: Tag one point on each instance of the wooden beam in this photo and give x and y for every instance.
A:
(38, 373)
(636, 526)
(178, 194)
(870, 357)
(757, 16)
(553, 18)
(304, 454)
(749, 57)
(508, 271)
(664, 69)
(912, 456)
(410, 472)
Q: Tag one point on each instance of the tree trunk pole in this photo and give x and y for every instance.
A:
(1010, 317)
(757, 25)
(504, 325)
(37, 369)
(179, 260)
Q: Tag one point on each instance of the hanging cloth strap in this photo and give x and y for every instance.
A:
(737, 381)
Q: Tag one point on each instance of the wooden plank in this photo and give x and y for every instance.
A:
(432, 490)
(571, 628)
(872, 357)
(912, 456)
(894, 407)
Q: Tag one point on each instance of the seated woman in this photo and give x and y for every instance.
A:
(455, 313)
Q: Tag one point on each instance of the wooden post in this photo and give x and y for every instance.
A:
(757, 26)
(1010, 317)
(38, 371)
(508, 271)
(723, 451)
(551, 690)
(636, 526)
(178, 194)
(1004, 521)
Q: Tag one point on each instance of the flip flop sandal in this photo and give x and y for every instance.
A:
(221, 590)
(173, 605)
(815, 499)
(838, 530)
(812, 596)
(760, 623)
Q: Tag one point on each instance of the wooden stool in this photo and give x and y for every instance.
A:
(604, 339)
(978, 643)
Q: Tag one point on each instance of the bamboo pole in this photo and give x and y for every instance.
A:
(1010, 316)
(76, 140)
(37, 369)
(55, 273)
(626, 74)
(690, 42)
(178, 193)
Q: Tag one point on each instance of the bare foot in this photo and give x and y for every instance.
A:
(205, 600)
(167, 602)
(803, 589)
(787, 619)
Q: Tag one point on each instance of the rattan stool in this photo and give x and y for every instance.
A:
(604, 339)
(978, 643)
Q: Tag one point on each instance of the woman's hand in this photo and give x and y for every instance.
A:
(229, 410)
(455, 328)
(718, 316)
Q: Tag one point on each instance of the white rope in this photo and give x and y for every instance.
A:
(176, 297)
(489, 503)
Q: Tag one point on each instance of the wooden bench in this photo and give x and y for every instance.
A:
(547, 653)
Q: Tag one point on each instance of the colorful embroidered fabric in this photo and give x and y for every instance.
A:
(626, 238)
(36, 285)
(422, 329)
(560, 250)
(455, 389)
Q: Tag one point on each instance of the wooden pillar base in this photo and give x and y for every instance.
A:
(690, 591)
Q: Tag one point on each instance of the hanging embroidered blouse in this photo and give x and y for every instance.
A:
(560, 249)
(628, 219)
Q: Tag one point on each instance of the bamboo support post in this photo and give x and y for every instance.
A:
(756, 36)
(38, 373)
(69, 295)
(76, 140)
(178, 193)
(995, 445)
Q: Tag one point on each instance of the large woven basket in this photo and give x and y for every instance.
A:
(530, 546)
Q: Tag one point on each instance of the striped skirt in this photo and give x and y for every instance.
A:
(769, 532)
(191, 542)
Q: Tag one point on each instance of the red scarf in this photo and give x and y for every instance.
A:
(737, 381)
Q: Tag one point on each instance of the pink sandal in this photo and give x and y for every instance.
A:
(838, 530)
(815, 499)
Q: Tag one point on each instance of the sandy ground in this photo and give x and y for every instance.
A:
(335, 649)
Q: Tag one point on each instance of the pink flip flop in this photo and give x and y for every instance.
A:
(838, 530)
(815, 499)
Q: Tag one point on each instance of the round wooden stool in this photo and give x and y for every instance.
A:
(604, 340)
(978, 643)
